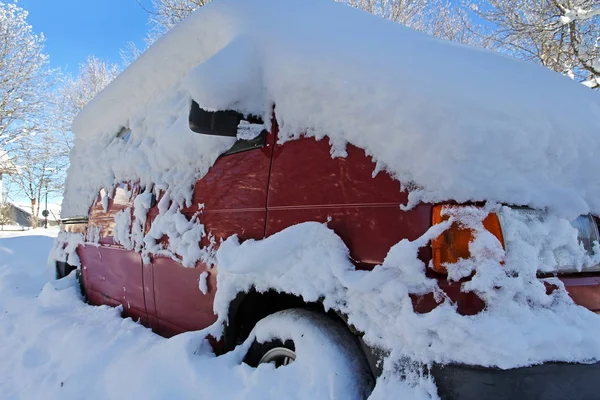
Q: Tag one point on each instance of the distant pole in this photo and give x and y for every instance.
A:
(46, 208)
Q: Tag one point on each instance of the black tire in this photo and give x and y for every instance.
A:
(81, 283)
(63, 270)
(304, 329)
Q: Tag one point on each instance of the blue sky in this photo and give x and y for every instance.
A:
(75, 29)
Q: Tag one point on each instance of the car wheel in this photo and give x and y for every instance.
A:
(63, 269)
(315, 343)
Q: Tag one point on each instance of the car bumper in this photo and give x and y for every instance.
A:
(551, 381)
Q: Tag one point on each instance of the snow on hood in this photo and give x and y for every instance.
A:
(449, 121)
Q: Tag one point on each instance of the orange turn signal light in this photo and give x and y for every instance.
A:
(453, 244)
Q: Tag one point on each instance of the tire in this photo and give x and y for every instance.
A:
(63, 270)
(81, 283)
(322, 350)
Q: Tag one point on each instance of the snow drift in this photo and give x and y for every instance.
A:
(53, 346)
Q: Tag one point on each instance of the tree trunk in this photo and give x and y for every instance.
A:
(34, 221)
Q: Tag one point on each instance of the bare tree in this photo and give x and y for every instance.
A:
(168, 13)
(39, 160)
(563, 35)
(24, 74)
(94, 75)
(41, 155)
(441, 18)
(130, 53)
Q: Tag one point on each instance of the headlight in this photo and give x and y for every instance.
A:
(555, 241)
(587, 232)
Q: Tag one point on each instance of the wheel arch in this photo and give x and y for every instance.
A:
(250, 307)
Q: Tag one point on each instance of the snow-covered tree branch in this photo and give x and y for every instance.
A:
(94, 75)
(578, 13)
(39, 160)
(25, 78)
(563, 35)
(439, 18)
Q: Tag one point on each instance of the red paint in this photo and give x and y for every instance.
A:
(256, 194)
(179, 302)
(584, 291)
(234, 195)
(116, 274)
(307, 184)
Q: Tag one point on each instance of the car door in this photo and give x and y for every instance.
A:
(113, 274)
(230, 199)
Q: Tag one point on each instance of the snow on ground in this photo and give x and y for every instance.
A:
(19, 231)
(54, 346)
(483, 127)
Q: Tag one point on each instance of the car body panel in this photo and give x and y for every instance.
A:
(307, 184)
(584, 290)
(258, 193)
(230, 199)
(180, 305)
(114, 276)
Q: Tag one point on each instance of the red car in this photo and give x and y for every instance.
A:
(259, 188)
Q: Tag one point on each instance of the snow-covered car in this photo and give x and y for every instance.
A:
(272, 171)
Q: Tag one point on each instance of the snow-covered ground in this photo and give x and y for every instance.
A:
(446, 140)
(54, 346)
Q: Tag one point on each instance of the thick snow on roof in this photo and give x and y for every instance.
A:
(449, 121)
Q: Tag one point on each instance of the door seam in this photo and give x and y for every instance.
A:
(275, 131)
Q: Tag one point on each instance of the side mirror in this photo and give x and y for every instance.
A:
(217, 123)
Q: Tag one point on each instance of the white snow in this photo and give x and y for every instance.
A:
(55, 347)
(183, 236)
(578, 13)
(515, 329)
(231, 79)
(122, 230)
(450, 122)
(203, 283)
(521, 325)
(65, 246)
